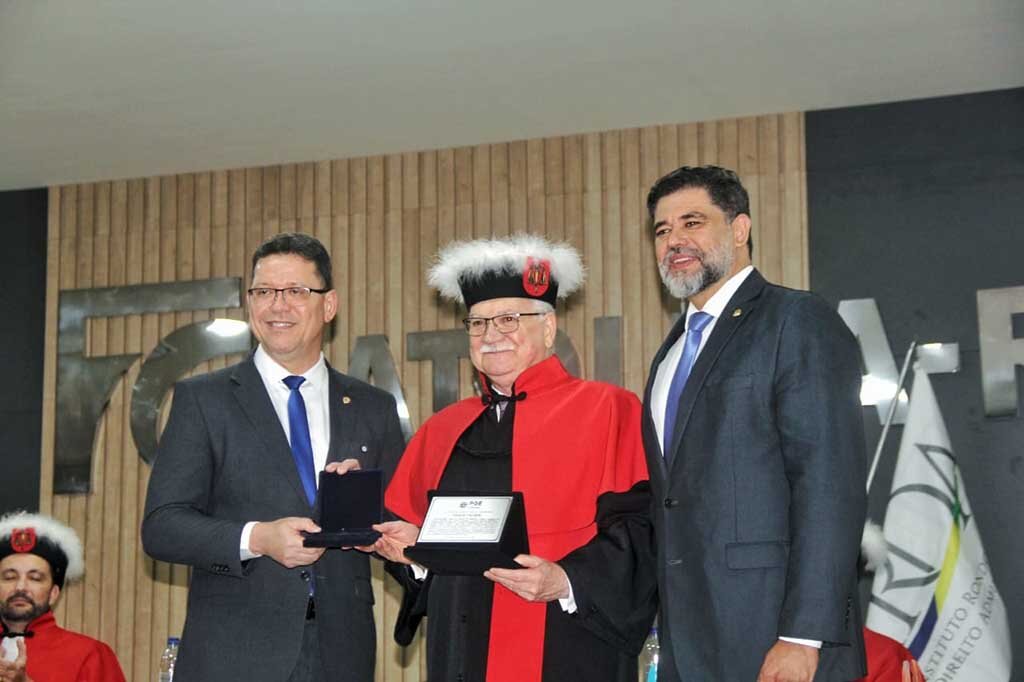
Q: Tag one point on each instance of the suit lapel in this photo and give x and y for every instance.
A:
(744, 301)
(252, 397)
(342, 412)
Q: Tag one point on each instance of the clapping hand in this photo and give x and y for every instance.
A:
(14, 671)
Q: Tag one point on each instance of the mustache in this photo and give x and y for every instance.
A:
(681, 251)
(495, 347)
(20, 595)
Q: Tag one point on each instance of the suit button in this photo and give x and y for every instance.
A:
(304, 575)
(670, 502)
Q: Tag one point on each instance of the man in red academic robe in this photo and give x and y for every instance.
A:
(37, 555)
(582, 600)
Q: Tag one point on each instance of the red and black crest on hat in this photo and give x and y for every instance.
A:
(23, 539)
(536, 277)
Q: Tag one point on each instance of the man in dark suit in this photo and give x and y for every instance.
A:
(752, 429)
(235, 478)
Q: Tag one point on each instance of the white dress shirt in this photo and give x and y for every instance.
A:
(715, 306)
(314, 391)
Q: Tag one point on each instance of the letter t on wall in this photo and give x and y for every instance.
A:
(861, 315)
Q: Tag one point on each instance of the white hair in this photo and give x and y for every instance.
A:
(64, 537)
(472, 260)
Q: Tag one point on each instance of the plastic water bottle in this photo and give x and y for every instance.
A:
(167, 660)
(649, 658)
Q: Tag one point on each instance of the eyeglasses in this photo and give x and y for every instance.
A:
(292, 295)
(506, 323)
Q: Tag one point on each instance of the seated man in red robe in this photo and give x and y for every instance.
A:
(37, 554)
(888, 660)
(582, 600)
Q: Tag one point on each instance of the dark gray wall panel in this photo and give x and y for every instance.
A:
(918, 205)
(22, 330)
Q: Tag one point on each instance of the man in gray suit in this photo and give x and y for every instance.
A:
(234, 481)
(752, 429)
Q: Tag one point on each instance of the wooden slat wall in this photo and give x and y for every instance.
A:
(382, 218)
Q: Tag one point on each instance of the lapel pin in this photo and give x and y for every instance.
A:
(362, 448)
(346, 400)
(737, 312)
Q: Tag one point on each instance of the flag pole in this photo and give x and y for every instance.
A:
(892, 413)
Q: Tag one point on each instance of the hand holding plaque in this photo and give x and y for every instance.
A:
(537, 580)
(466, 533)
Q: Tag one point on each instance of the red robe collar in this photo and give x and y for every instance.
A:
(545, 375)
(408, 498)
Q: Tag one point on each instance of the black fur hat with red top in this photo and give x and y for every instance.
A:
(520, 266)
(47, 538)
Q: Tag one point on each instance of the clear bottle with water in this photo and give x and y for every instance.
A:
(167, 660)
(649, 658)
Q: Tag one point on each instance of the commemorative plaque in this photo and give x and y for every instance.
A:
(466, 533)
(347, 507)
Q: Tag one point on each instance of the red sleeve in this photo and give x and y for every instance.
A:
(625, 445)
(101, 665)
(404, 497)
(885, 657)
(425, 458)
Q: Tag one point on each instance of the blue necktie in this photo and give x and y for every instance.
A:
(302, 446)
(691, 344)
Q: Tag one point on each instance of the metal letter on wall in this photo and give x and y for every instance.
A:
(608, 350)
(1000, 352)
(862, 317)
(84, 384)
(939, 358)
(372, 357)
(566, 352)
(173, 357)
(443, 347)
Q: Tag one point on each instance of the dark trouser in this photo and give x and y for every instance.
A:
(308, 668)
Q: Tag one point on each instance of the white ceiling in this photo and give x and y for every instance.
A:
(93, 89)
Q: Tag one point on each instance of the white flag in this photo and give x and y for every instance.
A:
(935, 592)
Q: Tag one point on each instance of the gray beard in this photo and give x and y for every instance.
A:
(714, 265)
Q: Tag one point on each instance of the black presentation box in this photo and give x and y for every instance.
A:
(347, 506)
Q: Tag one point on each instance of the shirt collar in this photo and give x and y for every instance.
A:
(716, 304)
(275, 373)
